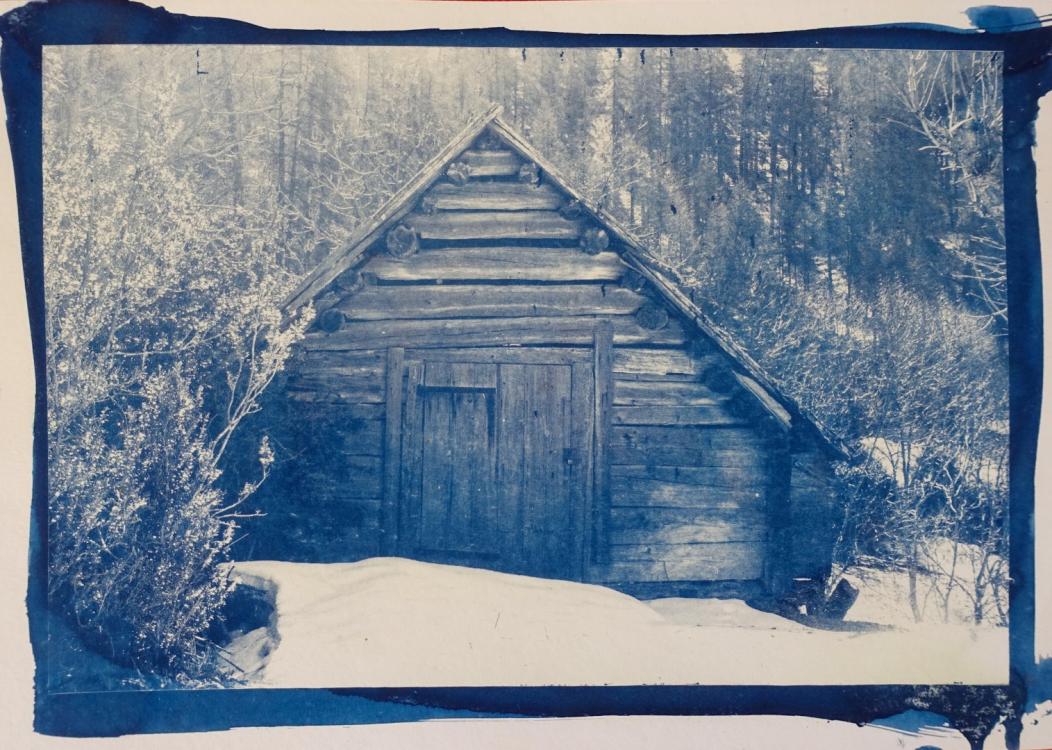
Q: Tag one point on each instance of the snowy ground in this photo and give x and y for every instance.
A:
(883, 593)
(391, 621)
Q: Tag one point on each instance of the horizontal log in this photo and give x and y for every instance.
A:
(681, 526)
(364, 360)
(504, 355)
(630, 450)
(491, 163)
(654, 493)
(361, 466)
(488, 301)
(729, 554)
(495, 196)
(719, 477)
(326, 374)
(516, 264)
(444, 333)
(362, 437)
(349, 485)
(711, 562)
(656, 363)
(651, 414)
(495, 225)
(314, 394)
(334, 377)
(693, 437)
(663, 393)
(344, 413)
(734, 459)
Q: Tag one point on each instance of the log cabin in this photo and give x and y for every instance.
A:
(498, 377)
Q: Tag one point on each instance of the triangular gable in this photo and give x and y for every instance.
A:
(632, 252)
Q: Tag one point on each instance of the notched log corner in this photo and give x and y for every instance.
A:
(594, 240)
(402, 241)
(458, 173)
(331, 320)
(530, 174)
(652, 316)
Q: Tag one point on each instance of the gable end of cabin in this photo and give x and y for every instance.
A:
(494, 381)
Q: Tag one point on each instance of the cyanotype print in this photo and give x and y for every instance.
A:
(470, 366)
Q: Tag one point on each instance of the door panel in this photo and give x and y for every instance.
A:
(496, 464)
(457, 498)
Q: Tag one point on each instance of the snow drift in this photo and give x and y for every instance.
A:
(397, 622)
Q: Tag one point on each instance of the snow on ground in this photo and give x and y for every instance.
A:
(391, 621)
(883, 594)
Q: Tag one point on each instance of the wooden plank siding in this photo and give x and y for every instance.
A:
(468, 332)
(673, 482)
(499, 196)
(488, 301)
(688, 487)
(497, 264)
(495, 225)
(500, 163)
(812, 494)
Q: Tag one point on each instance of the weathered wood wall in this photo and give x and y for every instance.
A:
(683, 472)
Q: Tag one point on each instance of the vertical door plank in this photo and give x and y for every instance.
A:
(511, 480)
(581, 479)
(392, 448)
(604, 396)
(560, 499)
(436, 471)
(412, 447)
(472, 462)
(532, 468)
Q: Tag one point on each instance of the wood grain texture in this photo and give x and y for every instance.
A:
(363, 437)
(603, 347)
(693, 437)
(522, 355)
(582, 487)
(706, 562)
(488, 301)
(657, 364)
(444, 333)
(719, 477)
(664, 393)
(494, 225)
(651, 414)
(655, 493)
(812, 495)
(501, 163)
(498, 264)
(495, 196)
(623, 452)
(686, 526)
(778, 569)
(394, 395)
(314, 393)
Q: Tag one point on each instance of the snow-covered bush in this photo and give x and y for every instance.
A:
(138, 532)
(163, 330)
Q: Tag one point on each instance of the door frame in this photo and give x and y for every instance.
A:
(589, 501)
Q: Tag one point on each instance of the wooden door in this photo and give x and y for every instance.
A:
(495, 460)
